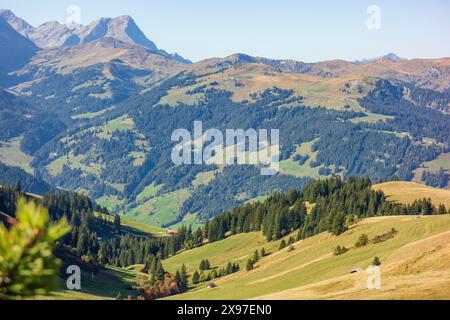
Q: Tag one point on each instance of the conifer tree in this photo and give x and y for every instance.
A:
(183, 278)
(249, 265)
(256, 256)
(178, 281)
(263, 252)
(159, 273)
(282, 245)
(202, 266)
(117, 224)
(376, 261)
(195, 277)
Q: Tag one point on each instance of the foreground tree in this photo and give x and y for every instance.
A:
(27, 264)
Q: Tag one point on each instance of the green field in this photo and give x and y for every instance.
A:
(104, 285)
(74, 162)
(188, 220)
(134, 227)
(161, 210)
(90, 115)
(149, 192)
(293, 168)
(203, 178)
(11, 155)
(443, 161)
(372, 118)
(238, 248)
(110, 202)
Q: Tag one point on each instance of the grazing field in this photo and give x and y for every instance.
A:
(149, 192)
(204, 178)
(74, 162)
(311, 271)
(238, 248)
(11, 155)
(104, 285)
(134, 227)
(159, 211)
(188, 220)
(407, 192)
(372, 118)
(90, 115)
(110, 202)
(293, 168)
(443, 161)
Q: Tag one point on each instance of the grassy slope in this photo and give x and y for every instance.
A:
(161, 210)
(11, 155)
(105, 285)
(291, 167)
(407, 192)
(238, 248)
(443, 161)
(311, 271)
(312, 260)
(134, 227)
(415, 264)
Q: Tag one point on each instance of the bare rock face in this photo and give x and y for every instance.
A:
(18, 24)
(125, 29)
(54, 34)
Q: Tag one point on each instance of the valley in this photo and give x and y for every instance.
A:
(87, 115)
(414, 263)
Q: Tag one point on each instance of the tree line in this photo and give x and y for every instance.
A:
(336, 205)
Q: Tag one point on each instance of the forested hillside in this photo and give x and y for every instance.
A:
(95, 115)
(129, 146)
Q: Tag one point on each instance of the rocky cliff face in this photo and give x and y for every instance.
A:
(55, 34)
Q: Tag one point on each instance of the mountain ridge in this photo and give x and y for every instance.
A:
(54, 34)
(16, 49)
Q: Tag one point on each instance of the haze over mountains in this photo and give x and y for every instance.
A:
(115, 98)
(16, 49)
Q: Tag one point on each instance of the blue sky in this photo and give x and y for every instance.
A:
(302, 30)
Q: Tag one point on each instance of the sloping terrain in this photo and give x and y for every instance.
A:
(407, 192)
(419, 270)
(414, 262)
(311, 271)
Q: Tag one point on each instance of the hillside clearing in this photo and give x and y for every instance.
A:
(407, 192)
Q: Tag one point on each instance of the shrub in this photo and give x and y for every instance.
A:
(340, 250)
(362, 241)
(376, 261)
(282, 245)
(27, 264)
(385, 236)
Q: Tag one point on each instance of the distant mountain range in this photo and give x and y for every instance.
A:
(389, 57)
(55, 34)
